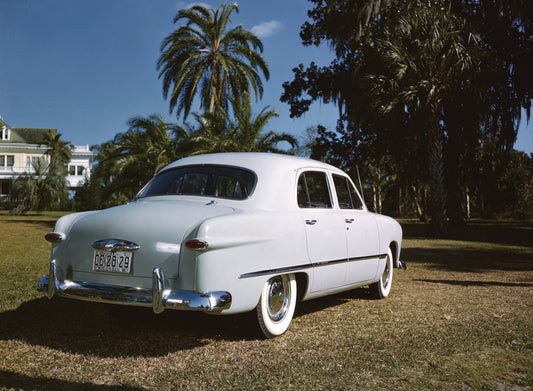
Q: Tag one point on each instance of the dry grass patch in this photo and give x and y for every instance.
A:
(459, 318)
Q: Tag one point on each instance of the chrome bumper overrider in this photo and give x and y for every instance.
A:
(159, 297)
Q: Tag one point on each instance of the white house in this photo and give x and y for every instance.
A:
(20, 147)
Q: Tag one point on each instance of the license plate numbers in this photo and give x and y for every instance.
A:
(116, 262)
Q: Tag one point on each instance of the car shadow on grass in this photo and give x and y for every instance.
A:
(464, 258)
(478, 283)
(511, 233)
(321, 303)
(11, 380)
(107, 330)
(117, 331)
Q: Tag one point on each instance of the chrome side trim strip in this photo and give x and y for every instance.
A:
(280, 270)
(308, 266)
(159, 297)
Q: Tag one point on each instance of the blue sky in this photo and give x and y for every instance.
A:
(86, 67)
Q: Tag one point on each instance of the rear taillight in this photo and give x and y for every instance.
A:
(196, 244)
(54, 237)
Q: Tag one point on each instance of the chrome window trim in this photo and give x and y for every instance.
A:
(138, 195)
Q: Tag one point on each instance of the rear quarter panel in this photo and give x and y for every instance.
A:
(244, 243)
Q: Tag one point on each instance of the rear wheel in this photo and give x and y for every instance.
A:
(381, 289)
(276, 305)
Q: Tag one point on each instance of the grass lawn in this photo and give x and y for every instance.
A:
(460, 317)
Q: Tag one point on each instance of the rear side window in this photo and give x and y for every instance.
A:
(346, 193)
(313, 191)
(213, 181)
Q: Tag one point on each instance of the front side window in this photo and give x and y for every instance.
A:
(346, 194)
(313, 191)
(213, 181)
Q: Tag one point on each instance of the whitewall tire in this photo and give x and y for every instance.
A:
(276, 305)
(381, 289)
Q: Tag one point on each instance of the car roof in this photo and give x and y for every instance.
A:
(256, 161)
(275, 174)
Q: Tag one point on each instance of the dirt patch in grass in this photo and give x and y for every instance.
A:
(459, 318)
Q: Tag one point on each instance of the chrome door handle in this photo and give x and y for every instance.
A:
(349, 221)
(310, 222)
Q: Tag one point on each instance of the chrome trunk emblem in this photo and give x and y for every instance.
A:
(115, 245)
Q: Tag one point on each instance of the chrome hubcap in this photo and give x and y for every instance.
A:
(278, 297)
(386, 274)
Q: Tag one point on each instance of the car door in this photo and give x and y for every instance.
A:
(324, 227)
(361, 231)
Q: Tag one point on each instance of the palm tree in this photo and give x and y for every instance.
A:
(43, 189)
(217, 132)
(133, 157)
(212, 134)
(59, 151)
(427, 58)
(251, 137)
(204, 54)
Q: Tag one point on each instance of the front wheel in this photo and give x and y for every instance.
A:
(381, 289)
(276, 305)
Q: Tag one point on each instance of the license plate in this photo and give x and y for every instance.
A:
(116, 262)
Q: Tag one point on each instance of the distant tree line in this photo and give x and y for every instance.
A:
(430, 95)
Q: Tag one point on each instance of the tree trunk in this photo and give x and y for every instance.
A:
(418, 208)
(467, 203)
(439, 216)
(455, 209)
(379, 199)
(374, 194)
(399, 200)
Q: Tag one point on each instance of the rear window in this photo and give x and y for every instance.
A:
(212, 181)
(313, 190)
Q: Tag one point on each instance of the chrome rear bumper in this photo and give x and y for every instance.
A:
(159, 297)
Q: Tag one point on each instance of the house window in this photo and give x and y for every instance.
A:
(76, 170)
(5, 132)
(7, 160)
(31, 160)
(5, 188)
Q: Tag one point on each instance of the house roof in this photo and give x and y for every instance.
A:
(25, 135)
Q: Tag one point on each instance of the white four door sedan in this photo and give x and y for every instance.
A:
(228, 233)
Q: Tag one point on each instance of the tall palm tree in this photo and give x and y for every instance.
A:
(205, 54)
(58, 150)
(427, 58)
